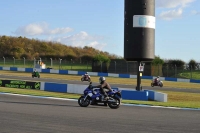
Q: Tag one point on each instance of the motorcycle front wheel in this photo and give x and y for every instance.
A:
(115, 105)
(152, 85)
(83, 103)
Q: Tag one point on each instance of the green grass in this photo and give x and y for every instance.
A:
(190, 75)
(175, 99)
(38, 93)
(112, 80)
(56, 65)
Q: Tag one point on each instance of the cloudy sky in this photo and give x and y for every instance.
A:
(100, 24)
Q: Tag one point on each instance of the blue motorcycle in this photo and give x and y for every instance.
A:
(94, 96)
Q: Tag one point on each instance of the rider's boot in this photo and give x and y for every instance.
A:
(106, 97)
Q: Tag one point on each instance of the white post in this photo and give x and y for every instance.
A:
(4, 60)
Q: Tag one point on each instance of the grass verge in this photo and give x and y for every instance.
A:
(175, 99)
(112, 80)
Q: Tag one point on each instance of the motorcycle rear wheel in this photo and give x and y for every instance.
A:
(161, 85)
(115, 105)
(83, 103)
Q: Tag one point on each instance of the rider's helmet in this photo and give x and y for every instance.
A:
(158, 77)
(101, 80)
(86, 73)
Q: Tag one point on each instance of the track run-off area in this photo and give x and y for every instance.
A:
(30, 114)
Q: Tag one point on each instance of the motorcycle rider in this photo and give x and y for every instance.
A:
(156, 80)
(34, 72)
(86, 75)
(103, 85)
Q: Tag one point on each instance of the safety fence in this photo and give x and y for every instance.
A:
(115, 66)
(97, 74)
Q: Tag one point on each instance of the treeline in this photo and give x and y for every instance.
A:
(20, 47)
(176, 63)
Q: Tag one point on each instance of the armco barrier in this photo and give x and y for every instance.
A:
(134, 95)
(97, 74)
(160, 97)
(53, 87)
(127, 94)
(157, 96)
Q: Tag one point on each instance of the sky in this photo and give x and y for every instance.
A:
(100, 24)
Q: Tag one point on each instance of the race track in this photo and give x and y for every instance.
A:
(86, 83)
(21, 114)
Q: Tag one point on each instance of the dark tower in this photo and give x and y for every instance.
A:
(139, 32)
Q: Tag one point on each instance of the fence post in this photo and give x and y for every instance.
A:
(175, 70)
(87, 65)
(13, 61)
(71, 64)
(4, 60)
(60, 63)
(51, 62)
(24, 61)
(167, 69)
(34, 62)
(127, 66)
(101, 66)
(115, 66)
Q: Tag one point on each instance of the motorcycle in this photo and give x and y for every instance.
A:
(35, 74)
(160, 83)
(85, 78)
(94, 96)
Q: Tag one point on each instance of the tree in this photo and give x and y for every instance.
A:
(175, 63)
(157, 61)
(192, 64)
(101, 58)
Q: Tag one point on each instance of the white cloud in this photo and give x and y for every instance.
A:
(59, 30)
(40, 29)
(173, 3)
(80, 39)
(171, 14)
(195, 12)
(176, 8)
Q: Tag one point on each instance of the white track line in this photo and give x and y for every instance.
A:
(67, 99)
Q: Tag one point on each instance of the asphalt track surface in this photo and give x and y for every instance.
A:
(20, 114)
(95, 83)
